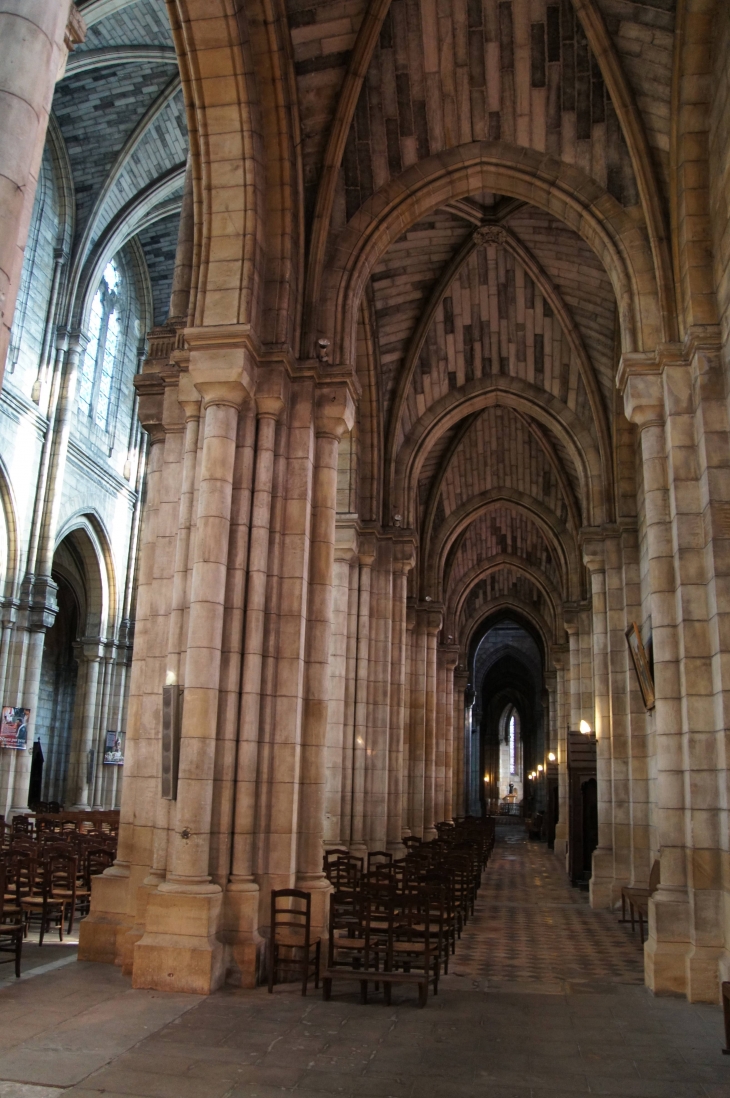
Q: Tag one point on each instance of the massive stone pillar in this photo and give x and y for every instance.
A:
(179, 949)
(666, 948)
(36, 38)
(334, 414)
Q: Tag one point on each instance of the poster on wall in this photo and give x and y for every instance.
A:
(114, 749)
(641, 665)
(14, 727)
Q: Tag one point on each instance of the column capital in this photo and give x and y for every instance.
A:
(334, 410)
(431, 616)
(272, 388)
(404, 554)
(222, 364)
(346, 541)
(367, 548)
(449, 653)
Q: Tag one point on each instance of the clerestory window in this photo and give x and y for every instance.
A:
(97, 370)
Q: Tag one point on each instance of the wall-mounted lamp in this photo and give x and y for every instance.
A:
(540, 768)
(551, 756)
(585, 728)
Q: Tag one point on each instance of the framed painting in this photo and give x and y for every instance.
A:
(641, 665)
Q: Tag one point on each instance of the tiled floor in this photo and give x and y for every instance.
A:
(536, 1007)
(530, 924)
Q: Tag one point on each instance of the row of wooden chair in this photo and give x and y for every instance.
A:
(391, 920)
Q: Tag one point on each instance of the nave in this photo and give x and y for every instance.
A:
(544, 999)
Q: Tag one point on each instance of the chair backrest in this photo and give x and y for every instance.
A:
(22, 825)
(291, 913)
(60, 872)
(24, 867)
(654, 877)
(379, 857)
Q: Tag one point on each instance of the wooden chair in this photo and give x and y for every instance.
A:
(638, 899)
(378, 858)
(52, 894)
(11, 922)
(290, 933)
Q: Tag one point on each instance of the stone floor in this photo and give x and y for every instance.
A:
(543, 1001)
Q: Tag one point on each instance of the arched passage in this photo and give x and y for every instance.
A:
(507, 675)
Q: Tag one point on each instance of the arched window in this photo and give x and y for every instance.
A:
(512, 738)
(97, 370)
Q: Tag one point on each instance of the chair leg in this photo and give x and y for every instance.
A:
(61, 921)
(18, 951)
(272, 962)
(316, 966)
(43, 925)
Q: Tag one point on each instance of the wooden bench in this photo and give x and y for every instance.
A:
(364, 977)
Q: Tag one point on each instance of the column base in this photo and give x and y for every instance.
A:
(245, 948)
(109, 919)
(667, 947)
(602, 885)
(179, 950)
(703, 974)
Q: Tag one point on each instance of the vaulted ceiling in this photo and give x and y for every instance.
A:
(488, 340)
(119, 122)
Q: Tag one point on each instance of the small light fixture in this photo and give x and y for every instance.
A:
(551, 756)
(585, 728)
(539, 768)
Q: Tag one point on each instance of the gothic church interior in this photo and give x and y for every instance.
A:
(365, 385)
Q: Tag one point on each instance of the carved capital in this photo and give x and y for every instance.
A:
(334, 411)
(222, 363)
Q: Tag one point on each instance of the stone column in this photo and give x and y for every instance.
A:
(106, 933)
(189, 400)
(409, 643)
(460, 786)
(561, 661)
(358, 845)
(450, 658)
(417, 739)
(433, 625)
(80, 770)
(242, 899)
(191, 957)
(345, 554)
(334, 414)
(403, 559)
(666, 948)
(376, 781)
(36, 39)
(601, 882)
(350, 699)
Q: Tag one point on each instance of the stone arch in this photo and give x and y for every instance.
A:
(9, 547)
(87, 535)
(518, 394)
(615, 236)
(514, 608)
(457, 598)
(564, 552)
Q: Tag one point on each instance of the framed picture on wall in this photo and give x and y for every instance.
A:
(14, 727)
(641, 665)
(114, 749)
